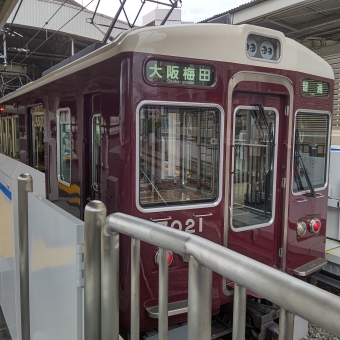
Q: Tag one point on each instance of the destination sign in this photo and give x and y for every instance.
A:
(168, 72)
(314, 88)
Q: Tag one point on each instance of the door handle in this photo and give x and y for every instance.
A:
(233, 159)
(301, 200)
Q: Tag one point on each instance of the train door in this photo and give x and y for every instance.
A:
(92, 147)
(37, 151)
(255, 179)
(15, 136)
(3, 135)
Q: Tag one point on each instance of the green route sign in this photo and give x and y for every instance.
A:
(169, 72)
(314, 88)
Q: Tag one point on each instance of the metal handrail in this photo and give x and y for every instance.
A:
(293, 295)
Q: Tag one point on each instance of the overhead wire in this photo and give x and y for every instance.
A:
(57, 31)
(46, 23)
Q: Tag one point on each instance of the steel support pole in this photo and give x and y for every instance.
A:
(239, 313)
(110, 286)
(135, 290)
(4, 42)
(25, 185)
(72, 46)
(163, 294)
(95, 214)
(199, 304)
(286, 327)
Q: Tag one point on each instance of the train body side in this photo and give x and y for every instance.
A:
(114, 89)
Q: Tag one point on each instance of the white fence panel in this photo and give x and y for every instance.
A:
(56, 241)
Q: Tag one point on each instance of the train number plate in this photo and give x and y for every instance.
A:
(190, 225)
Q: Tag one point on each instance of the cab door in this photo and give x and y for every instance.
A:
(37, 132)
(255, 179)
(92, 148)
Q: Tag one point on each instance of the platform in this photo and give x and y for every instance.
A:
(332, 256)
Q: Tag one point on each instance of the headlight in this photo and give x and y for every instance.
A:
(263, 48)
(267, 50)
(251, 47)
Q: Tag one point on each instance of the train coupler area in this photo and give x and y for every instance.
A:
(261, 316)
(220, 330)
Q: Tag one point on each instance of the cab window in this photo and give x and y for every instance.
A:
(310, 150)
(179, 151)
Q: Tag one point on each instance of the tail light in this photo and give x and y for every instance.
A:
(301, 228)
(314, 225)
(170, 257)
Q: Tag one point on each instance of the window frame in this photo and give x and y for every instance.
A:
(303, 192)
(3, 144)
(220, 154)
(32, 132)
(275, 170)
(6, 136)
(9, 133)
(92, 150)
(60, 180)
(13, 134)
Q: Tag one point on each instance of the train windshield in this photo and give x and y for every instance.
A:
(254, 173)
(178, 155)
(311, 151)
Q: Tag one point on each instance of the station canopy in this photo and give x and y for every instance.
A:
(301, 20)
(313, 23)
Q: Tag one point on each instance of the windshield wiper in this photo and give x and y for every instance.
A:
(263, 116)
(269, 132)
(298, 160)
(270, 152)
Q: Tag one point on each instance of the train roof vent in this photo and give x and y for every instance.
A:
(74, 57)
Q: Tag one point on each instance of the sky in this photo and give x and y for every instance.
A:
(192, 10)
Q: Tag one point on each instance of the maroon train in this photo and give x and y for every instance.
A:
(218, 130)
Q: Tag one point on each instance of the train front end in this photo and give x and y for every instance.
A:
(230, 142)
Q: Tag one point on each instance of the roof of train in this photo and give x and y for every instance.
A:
(201, 41)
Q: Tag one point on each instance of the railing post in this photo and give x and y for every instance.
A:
(286, 327)
(163, 294)
(95, 214)
(25, 185)
(110, 286)
(239, 313)
(135, 290)
(199, 304)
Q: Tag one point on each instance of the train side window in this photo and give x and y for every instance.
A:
(96, 127)
(4, 135)
(64, 146)
(37, 135)
(254, 176)
(9, 137)
(1, 137)
(311, 129)
(179, 155)
(16, 144)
